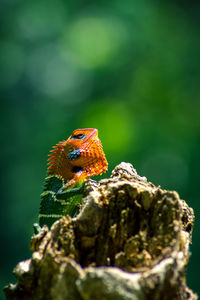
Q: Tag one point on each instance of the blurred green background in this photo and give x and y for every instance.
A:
(129, 68)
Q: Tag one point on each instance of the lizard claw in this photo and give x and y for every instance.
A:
(36, 228)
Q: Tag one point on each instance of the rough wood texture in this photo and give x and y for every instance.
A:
(130, 241)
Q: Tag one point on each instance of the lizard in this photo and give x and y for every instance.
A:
(70, 163)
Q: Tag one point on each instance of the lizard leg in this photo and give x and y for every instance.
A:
(63, 194)
(72, 187)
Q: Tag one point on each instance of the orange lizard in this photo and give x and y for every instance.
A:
(71, 162)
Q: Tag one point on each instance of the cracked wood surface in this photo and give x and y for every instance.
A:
(130, 241)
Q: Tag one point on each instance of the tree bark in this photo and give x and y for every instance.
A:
(130, 241)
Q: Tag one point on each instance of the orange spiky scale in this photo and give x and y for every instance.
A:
(80, 157)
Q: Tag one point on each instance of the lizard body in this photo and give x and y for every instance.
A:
(71, 162)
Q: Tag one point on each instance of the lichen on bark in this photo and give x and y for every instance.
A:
(130, 241)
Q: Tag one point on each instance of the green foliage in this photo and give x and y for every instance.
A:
(130, 69)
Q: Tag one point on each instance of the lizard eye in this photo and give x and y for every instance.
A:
(78, 137)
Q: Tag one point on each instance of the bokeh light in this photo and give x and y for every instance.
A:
(93, 42)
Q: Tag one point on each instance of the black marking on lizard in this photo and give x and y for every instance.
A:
(77, 169)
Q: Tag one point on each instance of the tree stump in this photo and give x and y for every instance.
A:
(129, 241)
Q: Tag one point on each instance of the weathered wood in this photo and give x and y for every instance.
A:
(130, 241)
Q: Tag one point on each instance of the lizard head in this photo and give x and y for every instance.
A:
(81, 151)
